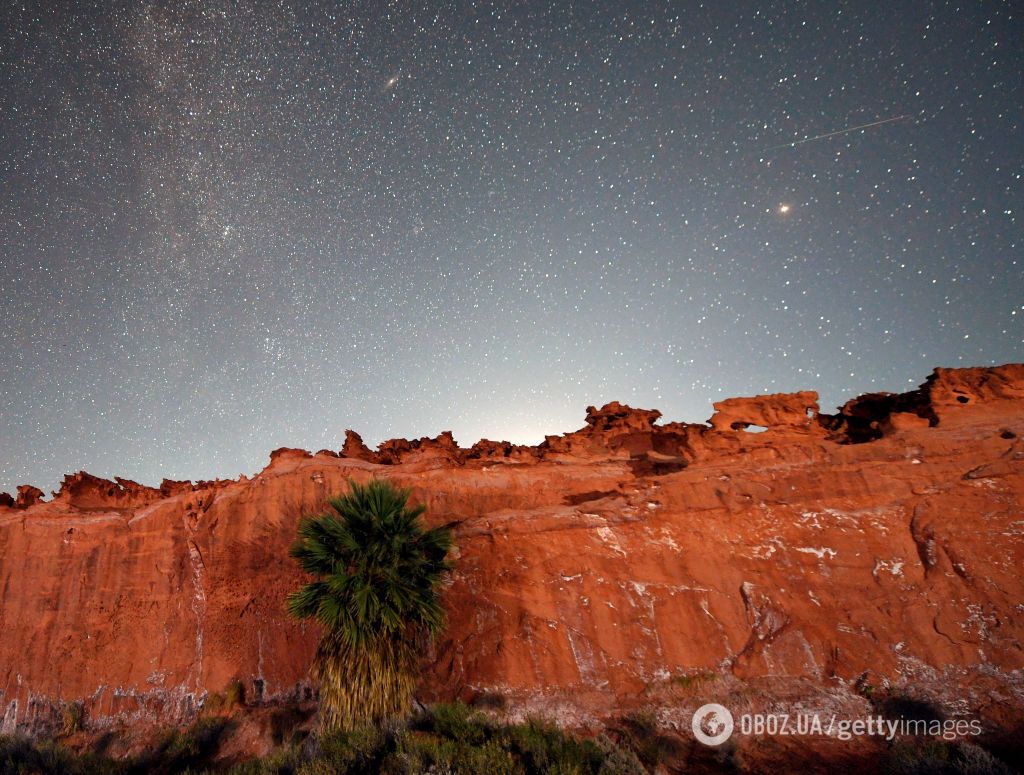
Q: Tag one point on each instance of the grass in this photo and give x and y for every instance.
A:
(231, 698)
(456, 739)
(447, 738)
(179, 751)
(693, 681)
(938, 757)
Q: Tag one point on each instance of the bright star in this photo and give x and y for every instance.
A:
(784, 209)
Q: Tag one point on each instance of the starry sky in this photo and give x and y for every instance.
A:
(231, 226)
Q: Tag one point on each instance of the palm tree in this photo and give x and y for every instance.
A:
(376, 594)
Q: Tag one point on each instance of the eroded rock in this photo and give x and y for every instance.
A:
(593, 573)
(28, 496)
(794, 410)
(355, 448)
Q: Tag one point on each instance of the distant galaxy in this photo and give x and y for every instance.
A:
(230, 227)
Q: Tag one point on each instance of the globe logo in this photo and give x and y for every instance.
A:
(712, 724)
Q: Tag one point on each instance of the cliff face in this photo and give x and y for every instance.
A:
(604, 569)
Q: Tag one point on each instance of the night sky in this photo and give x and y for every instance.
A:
(228, 227)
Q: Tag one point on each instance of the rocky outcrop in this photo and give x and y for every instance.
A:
(795, 410)
(616, 418)
(486, 449)
(355, 448)
(441, 449)
(948, 390)
(943, 396)
(603, 570)
(288, 453)
(84, 492)
(614, 428)
(28, 496)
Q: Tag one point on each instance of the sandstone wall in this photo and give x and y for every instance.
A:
(591, 570)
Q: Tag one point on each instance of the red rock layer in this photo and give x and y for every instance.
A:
(883, 543)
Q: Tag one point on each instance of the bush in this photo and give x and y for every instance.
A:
(693, 681)
(457, 722)
(935, 757)
(543, 747)
(418, 753)
(446, 740)
(351, 750)
(283, 722)
(618, 761)
(284, 762)
(185, 749)
(213, 704)
(21, 755)
(638, 733)
(234, 694)
(72, 716)
(976, 760)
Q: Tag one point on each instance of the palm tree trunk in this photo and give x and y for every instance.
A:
(368, 683)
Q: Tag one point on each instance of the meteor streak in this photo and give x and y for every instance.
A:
(837, 132)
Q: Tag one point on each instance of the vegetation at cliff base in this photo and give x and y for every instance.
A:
(451, 739)
(454, 739)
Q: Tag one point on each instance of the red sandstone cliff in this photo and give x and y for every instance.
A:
(594, 572)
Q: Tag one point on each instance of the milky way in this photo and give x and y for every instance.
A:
(227, 227)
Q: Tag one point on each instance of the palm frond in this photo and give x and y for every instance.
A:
(377, 595)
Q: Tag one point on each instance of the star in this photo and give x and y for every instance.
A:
(412, 225)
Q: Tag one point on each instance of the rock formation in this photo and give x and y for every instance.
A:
(792, 409)
(606, 569)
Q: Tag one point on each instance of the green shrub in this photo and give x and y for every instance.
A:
(543, 747)
(21, 755)
(864, 687)
(350, 750)
(184, 749)
(445, 740)
(618, 761)
(457, 722)
(284, 762)
(418, 752)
